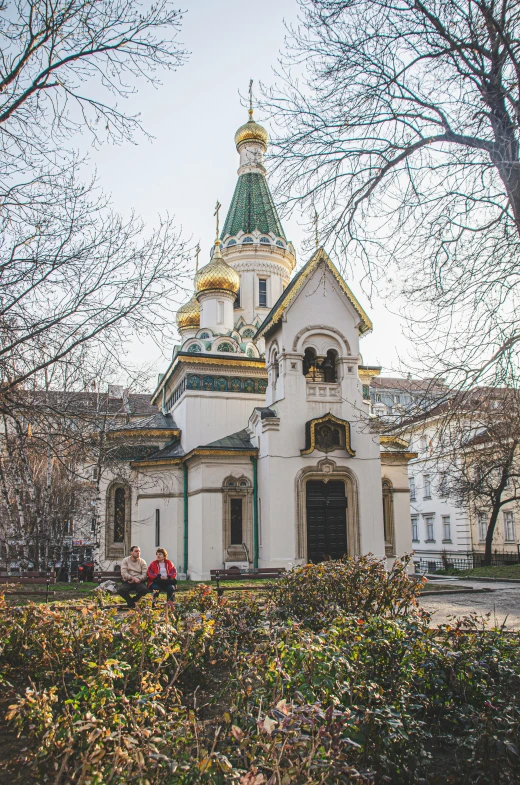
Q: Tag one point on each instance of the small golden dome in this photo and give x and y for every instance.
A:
(251, 132)
(217, 275)
(188, 314)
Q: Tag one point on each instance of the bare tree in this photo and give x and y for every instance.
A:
(72, 272)
(64, 63)
(399, 122)
(477, 453)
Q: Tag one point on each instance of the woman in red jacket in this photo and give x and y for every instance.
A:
(162, 575)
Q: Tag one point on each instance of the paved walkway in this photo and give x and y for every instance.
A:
(503, 603)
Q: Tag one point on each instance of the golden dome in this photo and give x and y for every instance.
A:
(251, 132)
(188, 314)
(217, 275)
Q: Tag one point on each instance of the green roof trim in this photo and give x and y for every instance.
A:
(252, 207)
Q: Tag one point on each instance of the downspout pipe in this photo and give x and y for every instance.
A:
(254, 461)
(185, 466)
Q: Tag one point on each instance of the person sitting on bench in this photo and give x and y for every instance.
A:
(133, 573)
(162, 575)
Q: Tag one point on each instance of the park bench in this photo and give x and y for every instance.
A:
(106, 575)
(234, 574)
(31, 578)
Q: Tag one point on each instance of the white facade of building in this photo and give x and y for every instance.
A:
(262, 451)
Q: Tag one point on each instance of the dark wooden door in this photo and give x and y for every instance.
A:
(326, 520)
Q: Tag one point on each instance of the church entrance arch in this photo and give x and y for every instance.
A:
(326, 520)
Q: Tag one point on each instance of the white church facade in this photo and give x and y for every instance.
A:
(262, 451)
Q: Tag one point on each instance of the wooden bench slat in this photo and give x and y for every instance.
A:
(28, 581)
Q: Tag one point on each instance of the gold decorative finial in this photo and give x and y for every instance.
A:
(316, 228)
(217, 208)
(250, 99)
(197, 252)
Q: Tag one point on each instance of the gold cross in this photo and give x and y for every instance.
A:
(197, 252)
(250, 99)
(316, 228)
(217, 208)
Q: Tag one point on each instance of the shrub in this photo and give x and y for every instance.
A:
(315, 593)
(243, 691)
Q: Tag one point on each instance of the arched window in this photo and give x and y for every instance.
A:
(225, 347)
(388, 517)
(248, 333)
(309, 362)
(280, 244)
(250, 353)
(231, 242)
(276, 366)
(204, 335)
(194, 348)
(119, 515)
(247, 240)
(328, 366)
(265, 240)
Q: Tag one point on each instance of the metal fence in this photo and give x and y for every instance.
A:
(467, 561)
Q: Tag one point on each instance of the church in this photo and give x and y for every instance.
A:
(262, 450)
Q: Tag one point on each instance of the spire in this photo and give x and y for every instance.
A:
(252, 207)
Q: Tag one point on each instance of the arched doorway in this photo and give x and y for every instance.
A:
(326, 520)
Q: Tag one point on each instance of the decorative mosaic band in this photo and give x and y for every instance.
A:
(224, 384)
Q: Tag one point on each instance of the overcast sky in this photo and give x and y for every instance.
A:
(192, 159)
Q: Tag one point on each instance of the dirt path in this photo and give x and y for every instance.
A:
(503, 603)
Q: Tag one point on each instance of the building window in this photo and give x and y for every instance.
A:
(262, 292)
(427, 486)
(446, 528)
(428, 520)
(509, 526)
(231, 242)
(247, 240)
(265, 240)
(157, 528)
(119, 515)
(220, 312)
(415, 529)
(237, 300)
(482, 526)
(236, 522)
(443, 485)
(92, 525)
(225, 347)
(412, 489)
(194, 348)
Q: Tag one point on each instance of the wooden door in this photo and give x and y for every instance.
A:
(326, 520)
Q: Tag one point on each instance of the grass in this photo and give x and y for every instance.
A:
(510, 571)
(67, 592)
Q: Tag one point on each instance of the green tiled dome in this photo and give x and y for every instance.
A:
(252, 207)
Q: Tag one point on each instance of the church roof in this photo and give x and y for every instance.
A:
(252, 207)
(237, 441)
(158, 423)
(296, 285)
(172, 453)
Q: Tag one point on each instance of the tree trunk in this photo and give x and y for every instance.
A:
(489, 535)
